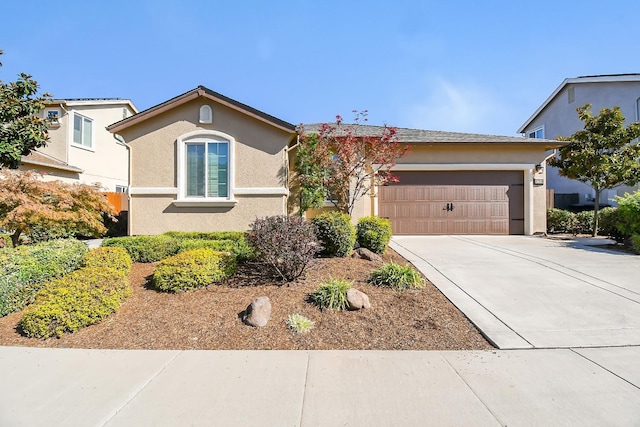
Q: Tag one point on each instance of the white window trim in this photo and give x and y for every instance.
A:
(535, 130)
(181, 168)
(73, 144)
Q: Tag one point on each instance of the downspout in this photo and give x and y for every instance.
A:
(66, 137)
(120, 140)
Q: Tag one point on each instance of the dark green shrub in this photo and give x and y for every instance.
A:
(374, 233)
(583, 223)
(193, 269)
(239, 247)
(285, 243)
(209, 235)
(145, 248)
(27, 267)
(607, 223)
(629, 214)
(332, 295)
(81, 298)
(560, 221)
(397, 277)
(635, 243)
(45, 232)
(116, 258)
(336, 233)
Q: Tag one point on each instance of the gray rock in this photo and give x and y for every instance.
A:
(357, 300)
(365, 253)
(258, 312)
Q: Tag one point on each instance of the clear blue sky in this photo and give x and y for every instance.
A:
(468, 66)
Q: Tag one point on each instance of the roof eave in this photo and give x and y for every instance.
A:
(51, 166)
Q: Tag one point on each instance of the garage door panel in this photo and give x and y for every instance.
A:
(479, 203)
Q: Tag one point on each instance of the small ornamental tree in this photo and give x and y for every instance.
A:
(346, 161)
(21, 130)
(602, 154)
(27, 202)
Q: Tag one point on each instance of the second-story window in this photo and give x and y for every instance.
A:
(82, 130)
(537, 133)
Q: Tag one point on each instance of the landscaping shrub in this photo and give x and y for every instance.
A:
(239, 247)
(607, 223)
(45, 232)
(635, 243)
(374, 233)
(285, 243)
(397, 277)
(193, 269)
(628, 221)
(145, 248)
(81, 298)
(332, 295)
(336, 233)
(117, 258)
(26, 268)
(583, 223)
(208, 235)
(560, 221)
(5, 241)
(299, 324)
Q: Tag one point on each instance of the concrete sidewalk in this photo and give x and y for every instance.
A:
(70, 387)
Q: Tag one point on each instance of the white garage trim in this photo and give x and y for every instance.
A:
(526, 168)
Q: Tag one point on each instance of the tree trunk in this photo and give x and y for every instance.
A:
(15, 238)
(596, 208)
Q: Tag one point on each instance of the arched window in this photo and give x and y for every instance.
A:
(206, 114)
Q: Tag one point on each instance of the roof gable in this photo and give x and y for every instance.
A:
(198, 92)
(604, 78)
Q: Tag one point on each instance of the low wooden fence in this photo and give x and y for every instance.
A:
(119, 201)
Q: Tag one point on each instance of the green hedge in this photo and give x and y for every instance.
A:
(145, 248)
(81, 298)
(374, 233)
(116, 258)
(336, 233)
(211, 235)
(193, 269)
(240, 248)
(26, 269)
(635, 243)
(629, 213)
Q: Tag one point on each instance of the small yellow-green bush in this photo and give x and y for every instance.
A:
(336, 233)
(117, 258)
(374, 233)
(193, 269)
(397, 277)
(81, 298)
(239, 247)
(332, 294)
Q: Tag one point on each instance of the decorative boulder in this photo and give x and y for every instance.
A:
(357, 300)
(365, 253)
(258, 312)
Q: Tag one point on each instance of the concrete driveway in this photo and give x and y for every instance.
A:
(532, 292)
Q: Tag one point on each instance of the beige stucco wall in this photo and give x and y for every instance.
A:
(259, 163)
(106, 162)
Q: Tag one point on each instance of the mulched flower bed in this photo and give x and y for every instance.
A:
(209, 319)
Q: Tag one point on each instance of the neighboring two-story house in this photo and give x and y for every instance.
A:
(80, 149)
(557, 116)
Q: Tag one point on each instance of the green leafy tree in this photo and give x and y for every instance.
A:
(311, 174)
(21, 130)
(603, 154)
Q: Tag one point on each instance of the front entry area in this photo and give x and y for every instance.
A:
(454, 202)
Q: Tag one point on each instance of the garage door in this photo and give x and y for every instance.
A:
(465, 202)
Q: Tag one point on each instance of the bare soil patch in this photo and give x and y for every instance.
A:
(209, 319)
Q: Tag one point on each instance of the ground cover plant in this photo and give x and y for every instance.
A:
(299, 323)
(81, 298)
(27, 268)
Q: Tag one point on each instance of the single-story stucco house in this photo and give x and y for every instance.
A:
(204, 162)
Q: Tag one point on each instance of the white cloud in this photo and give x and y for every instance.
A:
(458, 107)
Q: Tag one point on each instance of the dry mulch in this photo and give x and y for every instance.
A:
(209, 318)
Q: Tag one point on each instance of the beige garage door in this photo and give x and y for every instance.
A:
(466, 202)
